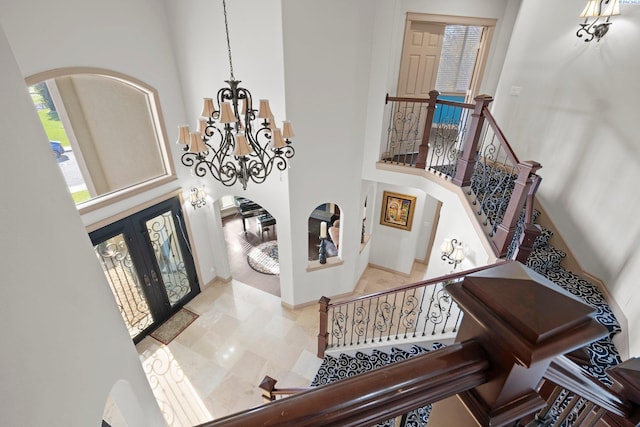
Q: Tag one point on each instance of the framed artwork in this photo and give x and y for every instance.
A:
(397, 210)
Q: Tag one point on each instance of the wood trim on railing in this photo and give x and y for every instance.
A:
(507, 228)
(424, 100)
(440, 279)
(423, 149)
(268, 385)
(498, 132)
(568, 375)
(375, 396)
(323, 333)
(467, 161)
(531, 231)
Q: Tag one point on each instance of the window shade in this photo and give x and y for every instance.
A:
(458, 58)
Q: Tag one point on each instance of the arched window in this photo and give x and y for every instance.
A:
(105, 131)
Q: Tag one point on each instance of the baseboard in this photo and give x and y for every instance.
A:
(389, 270)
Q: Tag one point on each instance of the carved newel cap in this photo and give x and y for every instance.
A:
(526, 313)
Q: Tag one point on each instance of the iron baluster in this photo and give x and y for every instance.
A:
(450, 301)
(401, 313)
(427, 318)
(367, 324)
(424, 292)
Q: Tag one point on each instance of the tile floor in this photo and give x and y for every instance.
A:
(213, 368)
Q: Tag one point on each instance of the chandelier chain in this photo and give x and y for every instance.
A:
(226, 28)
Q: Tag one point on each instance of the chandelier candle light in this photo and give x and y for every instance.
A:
(236, 142)
(322, 252)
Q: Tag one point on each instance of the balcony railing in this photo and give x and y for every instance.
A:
(503, 351)
(464, 144)
(422, 310)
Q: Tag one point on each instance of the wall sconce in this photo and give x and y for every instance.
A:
(597, 9)
(197, 197)
(452, 252)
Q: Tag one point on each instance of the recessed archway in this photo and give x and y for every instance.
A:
(250, 232)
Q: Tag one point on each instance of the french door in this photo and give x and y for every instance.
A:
(147, 261)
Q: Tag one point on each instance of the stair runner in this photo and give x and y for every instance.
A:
(490, 186)
(343, 366)
(544, 259)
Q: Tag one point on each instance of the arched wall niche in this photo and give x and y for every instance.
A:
(328, 214)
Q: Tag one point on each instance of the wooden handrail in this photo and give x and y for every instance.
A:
(426, 100)
(569, 376)
(500, 135)
(475, 137)
(374, 396)
(439, 279)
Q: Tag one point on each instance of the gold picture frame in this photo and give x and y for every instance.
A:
(397, 210)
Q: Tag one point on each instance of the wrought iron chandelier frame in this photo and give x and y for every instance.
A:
(227, 145)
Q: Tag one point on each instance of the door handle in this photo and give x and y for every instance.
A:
(154, 276)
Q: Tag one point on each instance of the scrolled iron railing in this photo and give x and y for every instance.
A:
(463, 143)
(422, 310)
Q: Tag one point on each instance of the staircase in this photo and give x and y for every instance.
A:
(488, 190)
(547, 261)
(334, 368)
(544, 259)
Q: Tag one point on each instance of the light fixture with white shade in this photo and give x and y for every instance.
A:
(452, 252)
(236, 142)
(600, 12)
(197, 197)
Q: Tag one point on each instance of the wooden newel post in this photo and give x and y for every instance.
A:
(268, 384)
(507, 228)
(467, 161)
(421, 163)
(626, 375)
(323, 334)
(522, 324)
(529, 236)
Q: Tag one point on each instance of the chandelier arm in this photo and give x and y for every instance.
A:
(221, 139)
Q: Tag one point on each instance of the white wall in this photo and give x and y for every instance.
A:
(130, 38)
(394, 249)
(389, 20)
(577, 116)
(64, 345)
(327, 55)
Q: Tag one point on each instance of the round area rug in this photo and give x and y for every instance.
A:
(264, 258)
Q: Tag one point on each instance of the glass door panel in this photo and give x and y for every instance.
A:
(147, 261)
(168, 256)
(115, 258)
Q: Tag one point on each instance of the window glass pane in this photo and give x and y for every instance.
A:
(458, 58)
(103, 132)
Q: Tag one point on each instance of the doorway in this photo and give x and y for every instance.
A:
(147, 261)
(446, 53)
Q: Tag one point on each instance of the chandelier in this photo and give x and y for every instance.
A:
(234, 141)
(597, 9)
